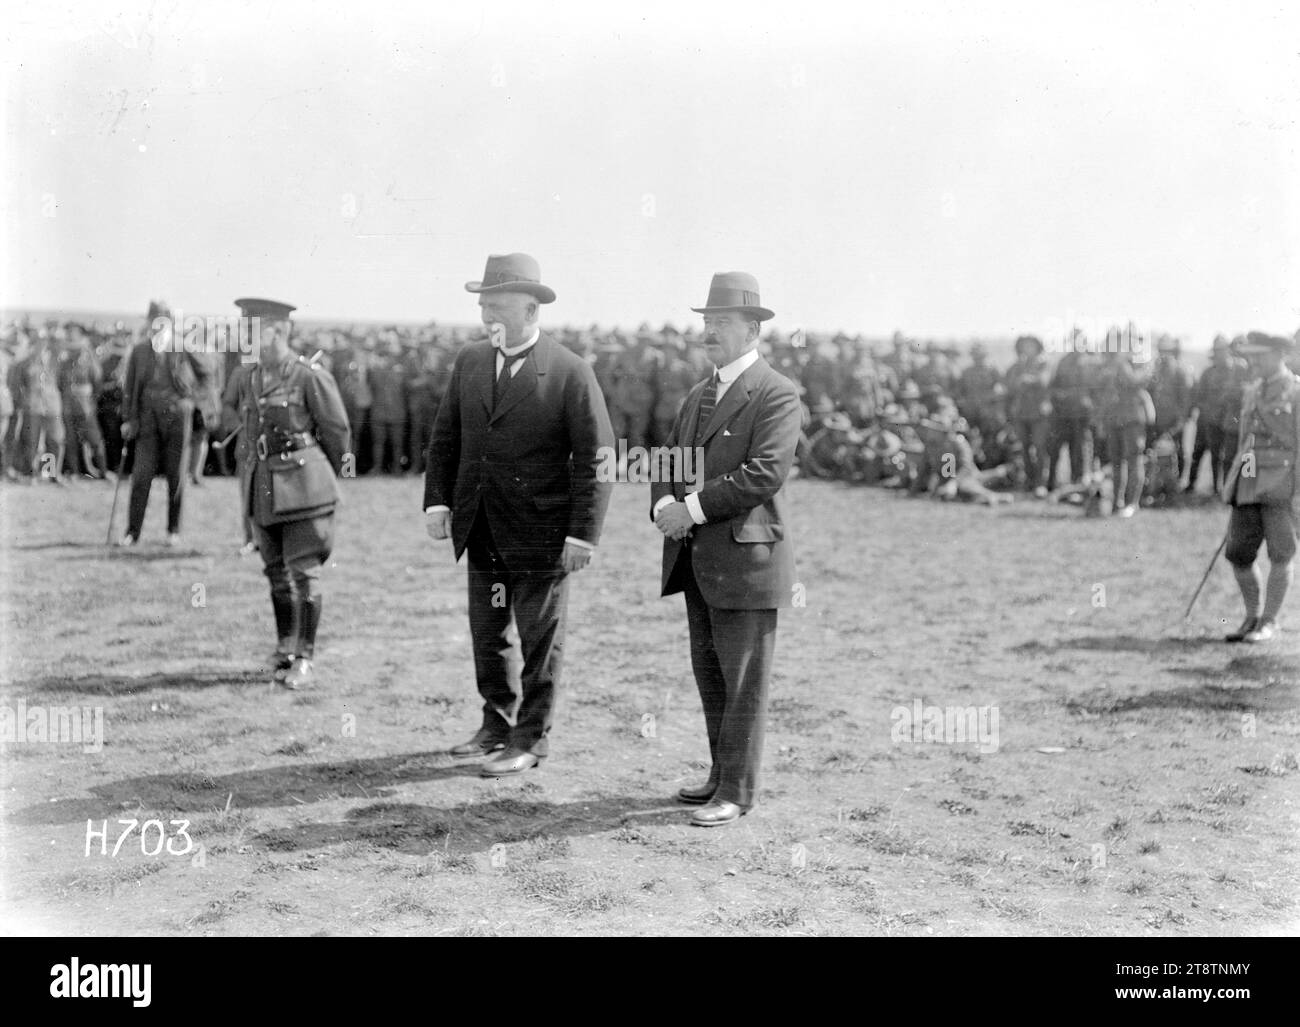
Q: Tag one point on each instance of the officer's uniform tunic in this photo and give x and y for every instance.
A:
(298, 430)
(1263, 483)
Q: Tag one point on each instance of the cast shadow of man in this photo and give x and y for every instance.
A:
(473, 825)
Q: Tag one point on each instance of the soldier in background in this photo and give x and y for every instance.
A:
(108, 408)
(353, 368)
(1171, 394)
(207, 410)
(1029, 408)
(1264, 487)
(978, 393)
(7, 410)
(1216, 404)
(1072, 411)
(634, 393)
(935, 378)
(425, 393)
(294, 416)
(864, 395)
(81, 379)
(40, 407)
(822, 375)
(899, 360)
(240, 443)
(388, 409)
(675, 379)
(1125, 410)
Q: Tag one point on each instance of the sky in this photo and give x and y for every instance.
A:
(953, 170)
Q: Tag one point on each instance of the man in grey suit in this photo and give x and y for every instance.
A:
(512, 477)
(726, 538)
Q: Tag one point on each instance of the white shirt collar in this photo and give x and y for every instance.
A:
(523, 345)
(730, 372)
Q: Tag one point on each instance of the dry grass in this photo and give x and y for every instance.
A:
(1138, 786)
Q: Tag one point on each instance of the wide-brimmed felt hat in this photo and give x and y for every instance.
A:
(1260, 342)
(734, 291)
(513, 272)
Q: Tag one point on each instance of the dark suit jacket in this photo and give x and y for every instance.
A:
(531, 463)
(191, 379)
(742, 558)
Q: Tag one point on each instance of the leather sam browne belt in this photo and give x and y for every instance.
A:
(284, 444)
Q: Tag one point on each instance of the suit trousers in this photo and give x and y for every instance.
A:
(163, 435)
(519, 684)
(731, 655)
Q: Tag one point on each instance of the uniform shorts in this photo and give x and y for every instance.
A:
(1255, 523)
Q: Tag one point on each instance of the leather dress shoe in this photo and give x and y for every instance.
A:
(697, 796)
(484, 741)
(510, 763)
(300, 674)
(1247, 626)
(717, 813)
(1264, 631)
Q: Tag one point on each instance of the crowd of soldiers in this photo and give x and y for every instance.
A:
(901, 413)
(913, 418)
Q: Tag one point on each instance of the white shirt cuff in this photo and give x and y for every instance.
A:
(437, 509)
(693, 505)
(579, 542)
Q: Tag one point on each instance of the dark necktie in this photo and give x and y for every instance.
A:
(503, 379)
(708, 401)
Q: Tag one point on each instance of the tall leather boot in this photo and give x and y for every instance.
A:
(286, 633)
(301, 674)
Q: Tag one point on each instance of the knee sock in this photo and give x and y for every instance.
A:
(1279, 580)
(1249, 582)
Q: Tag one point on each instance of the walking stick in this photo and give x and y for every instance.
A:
(121, 465)
(1206, 576)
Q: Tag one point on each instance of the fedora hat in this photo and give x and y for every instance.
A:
(734, 290)
(512, 272)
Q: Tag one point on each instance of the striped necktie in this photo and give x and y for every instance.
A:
(708, 400)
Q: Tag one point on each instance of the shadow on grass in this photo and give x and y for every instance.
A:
(473, 827)
(1119, 644)
(142, 554)
(300, 785)
(1206, 697)
(130, 684)
(79, 544)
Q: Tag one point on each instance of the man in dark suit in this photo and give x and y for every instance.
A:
(726, 538)
(511, 477)
(163, 382)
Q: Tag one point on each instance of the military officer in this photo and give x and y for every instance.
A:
(294, 419)
(1263, 487)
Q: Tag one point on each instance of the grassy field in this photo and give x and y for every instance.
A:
(1143, 779)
